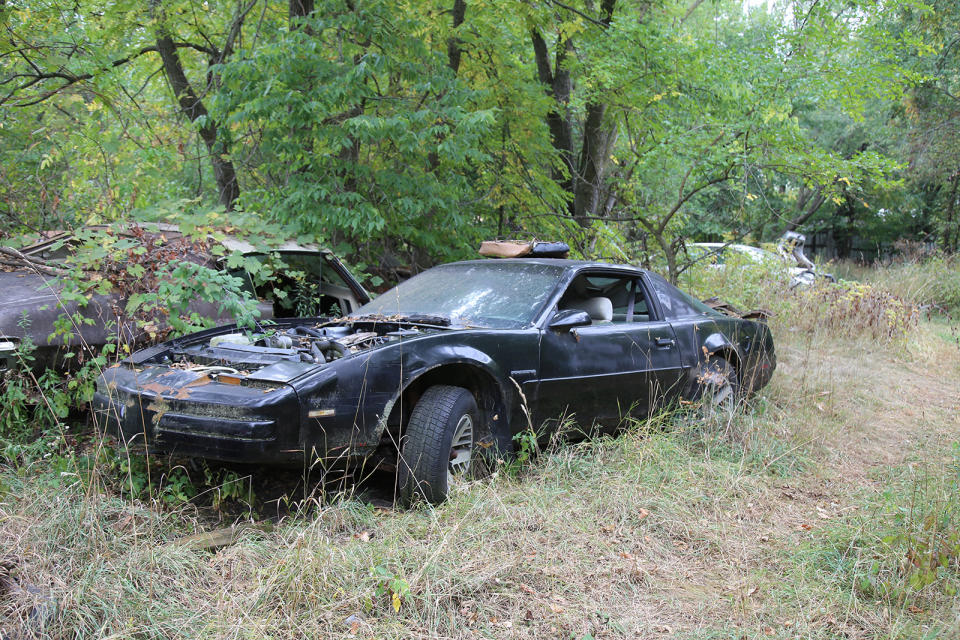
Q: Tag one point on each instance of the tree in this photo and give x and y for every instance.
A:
(931, 112)
(386, 133)
(57, 52)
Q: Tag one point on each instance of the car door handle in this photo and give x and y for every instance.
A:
(665, 342)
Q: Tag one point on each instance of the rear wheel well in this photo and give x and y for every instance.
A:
(730, 355)
(727, 352)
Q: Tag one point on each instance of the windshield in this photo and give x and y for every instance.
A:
(499, 295)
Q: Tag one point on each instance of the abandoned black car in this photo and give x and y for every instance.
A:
(443, 370)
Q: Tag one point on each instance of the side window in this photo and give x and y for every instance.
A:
(675, 303)
(622, 311)
(302, 284)
(614, 299)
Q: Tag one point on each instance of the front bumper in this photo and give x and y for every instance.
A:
(225, 439)
(222, 422)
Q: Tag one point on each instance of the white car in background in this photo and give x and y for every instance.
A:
(803, 273)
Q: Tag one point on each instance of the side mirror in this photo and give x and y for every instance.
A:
(570, 319)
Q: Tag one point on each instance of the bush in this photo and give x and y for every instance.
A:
(848, 308)
(854, 309)
(931, 282)
(740, 281)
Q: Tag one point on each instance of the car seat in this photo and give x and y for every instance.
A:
(599, 308)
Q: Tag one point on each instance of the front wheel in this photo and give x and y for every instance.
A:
(439, 446)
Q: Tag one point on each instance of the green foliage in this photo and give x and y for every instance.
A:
(181, 283)
(359, 126)
(386, 136)
(526, 447)
(33, 409)
(741, 281)
(390, 586)
(848, 308)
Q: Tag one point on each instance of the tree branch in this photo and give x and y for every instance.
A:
(689, 12)
(683, 199)
(599, 23)
(70, 79)
(235, 31)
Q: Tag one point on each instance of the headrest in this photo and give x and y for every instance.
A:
(599, 308)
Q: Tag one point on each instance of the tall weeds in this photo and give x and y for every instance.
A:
(930, 283)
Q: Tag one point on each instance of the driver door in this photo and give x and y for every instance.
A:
(617, 366)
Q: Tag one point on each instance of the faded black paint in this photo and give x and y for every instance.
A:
(345, 409)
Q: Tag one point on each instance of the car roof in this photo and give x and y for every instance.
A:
(236, 244)
(718, 245)
(563, 263)
(172, 231)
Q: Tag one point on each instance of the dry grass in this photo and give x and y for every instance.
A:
(748, 529)
(931, 282)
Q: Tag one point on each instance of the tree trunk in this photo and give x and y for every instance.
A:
(844, 226)
(190, 104)
(584, 173)
(808, 205)
(454, 51)
(559, 121)
(597, 139)
(299, 9)
(669, 254)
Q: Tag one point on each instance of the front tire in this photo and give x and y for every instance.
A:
(439, 445)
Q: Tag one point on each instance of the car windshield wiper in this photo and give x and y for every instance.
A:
(413, 318)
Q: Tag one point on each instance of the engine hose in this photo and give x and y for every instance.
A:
(317, 354)
(309, 332)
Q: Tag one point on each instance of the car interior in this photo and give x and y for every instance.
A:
(310, 286)
(605, 298)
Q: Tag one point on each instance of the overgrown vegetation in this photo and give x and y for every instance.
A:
(930, 282)
(904, 548)
(401, 134)
(783, 522)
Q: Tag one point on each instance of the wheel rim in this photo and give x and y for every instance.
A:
(723, 397)
(461, 448)
(719, 400)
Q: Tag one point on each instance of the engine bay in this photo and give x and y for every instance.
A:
(312, 344)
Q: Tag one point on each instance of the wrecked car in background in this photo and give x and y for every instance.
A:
(802, 271)
(437, 375)
(35, 306)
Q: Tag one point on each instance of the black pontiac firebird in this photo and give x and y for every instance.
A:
(437, 372)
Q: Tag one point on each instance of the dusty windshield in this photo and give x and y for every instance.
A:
(500, 295)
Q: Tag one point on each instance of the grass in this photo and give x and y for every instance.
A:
(930, 282)
(794, 520)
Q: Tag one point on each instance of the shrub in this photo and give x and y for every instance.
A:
(740, 281)
(931, 282)
(854, 309)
